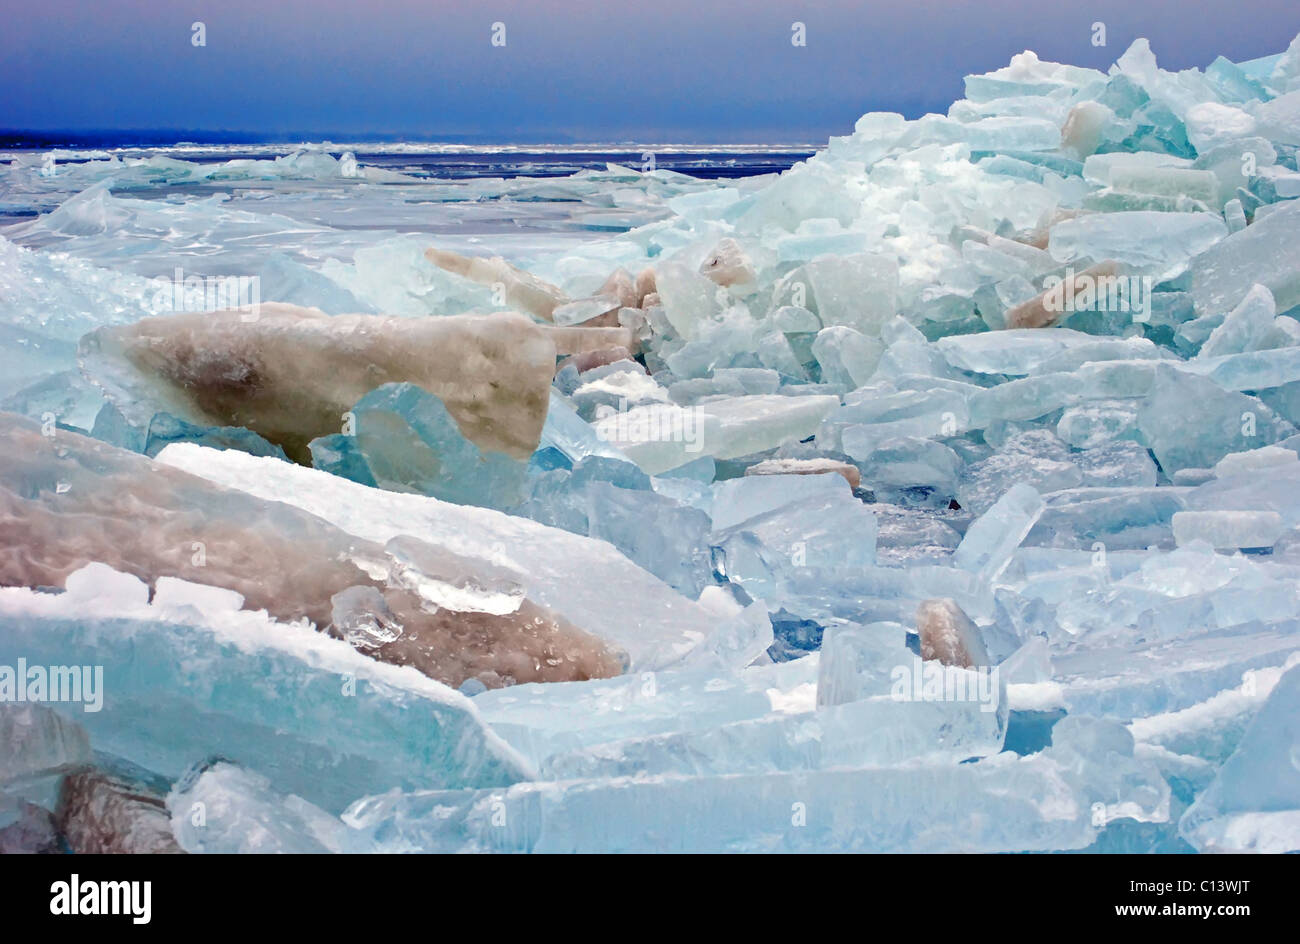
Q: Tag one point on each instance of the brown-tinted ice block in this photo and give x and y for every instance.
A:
(67, 500)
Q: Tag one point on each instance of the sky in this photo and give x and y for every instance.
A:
(706, 71)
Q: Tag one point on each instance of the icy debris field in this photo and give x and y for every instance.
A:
(941, 493)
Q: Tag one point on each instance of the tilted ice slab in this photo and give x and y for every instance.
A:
(1142, 679)
(68, 500)
(1253, 805)
(662, 437)
(1155, 244)
(1213, 728)
(190, 675)
(585, 580)
(1267, 252)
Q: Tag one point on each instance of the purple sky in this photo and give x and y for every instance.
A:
(647, 70)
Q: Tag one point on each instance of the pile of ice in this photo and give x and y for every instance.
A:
(940, 494)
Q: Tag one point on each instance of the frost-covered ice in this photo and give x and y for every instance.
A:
(941, 493)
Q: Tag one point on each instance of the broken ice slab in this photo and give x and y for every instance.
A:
(1122, 518)
(846, 358)
(157, 522)
(689, 300)
(857, 661)
(243, 813)
(571, 435)
(542, 720)
(1266, 253)
(1003, 803)
(1253, 804)
(291, 374)
(27, 358)
(739, 499)
(1184, 591)
(313, 714)
(675, 550)
(620, 385)
(1031, 397)
(992, 538)
(828, 533)
(1035, 457)
(68, 396)
(858, 291)
(112, 427)
(569, 574)
(904, 462)
(1122, 464)
(37, 740)
(1014, 352)
(1027, 75)
(1179, 183)
(1134, 679)
(997, 133)
(908, 353)
(1192, 422)
(908, 536)
(1212, 729)
(662, 437)
(1259, 488)
(411, 443)
(1252, 370)
(1095, 424)
(1268, 460)
(932, 712)
(931, 409)
(1279, 119)
(102, 813)
(520, 289)
(1158, 245)
(1245, 328)
(338, 455)
(1229, 530)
